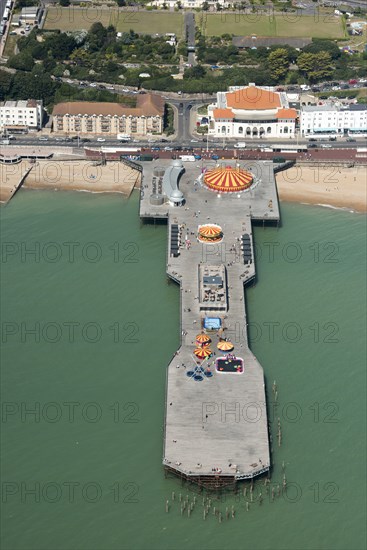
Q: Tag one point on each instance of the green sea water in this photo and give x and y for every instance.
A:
(89, 324)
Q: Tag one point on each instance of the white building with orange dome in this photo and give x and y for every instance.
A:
(251, 112)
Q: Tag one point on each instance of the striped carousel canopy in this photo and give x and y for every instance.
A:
(203, 353)
(209, 230)
(225, 346)
(202, 338)
(228, 179)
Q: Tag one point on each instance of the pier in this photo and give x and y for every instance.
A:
(216, 428)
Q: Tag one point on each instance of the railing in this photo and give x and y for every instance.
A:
(132, 164)
(284, 166)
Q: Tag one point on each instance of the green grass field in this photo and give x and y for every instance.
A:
(287, 25)
(10, 45)
(147, 22)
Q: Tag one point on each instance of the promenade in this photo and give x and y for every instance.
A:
(216, 429)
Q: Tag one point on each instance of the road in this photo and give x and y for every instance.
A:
(2, 8)
(190, 35)
(213, 145)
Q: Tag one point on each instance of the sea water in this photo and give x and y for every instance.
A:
(89, 323)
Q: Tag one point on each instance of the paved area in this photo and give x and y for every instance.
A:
(217, 426)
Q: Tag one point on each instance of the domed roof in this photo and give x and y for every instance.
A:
(176, 194)
(227, 179)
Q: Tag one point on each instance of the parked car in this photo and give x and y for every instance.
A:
(351, 140)
(215, 157)
(156, 148)
(93, 85)
(326, 146)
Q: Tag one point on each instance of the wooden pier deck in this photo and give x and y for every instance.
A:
(216, 430)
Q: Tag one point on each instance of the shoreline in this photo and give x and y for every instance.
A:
(325, 186)
(318, 185)
(59, 175)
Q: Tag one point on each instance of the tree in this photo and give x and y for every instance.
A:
(64, 3)
(205, 6)
(35, 85)
(96, 37)
(278, 63)
(195, 72)
(60, 45)
(318, 46)
(315, 66)
(23, 61)
(6, 80)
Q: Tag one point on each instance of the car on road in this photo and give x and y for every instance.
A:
(93, 85)
(101, 140)
(168, 149)
(43, 138)
(156, 148)
(326, 145)
(101, 87)
(194, 141)
(164, 140)
(59, 139)
(85, 140)
(311, 145)
(312, 139)
(110, 87)
(351, 140)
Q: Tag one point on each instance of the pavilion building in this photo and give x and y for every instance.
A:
(251, 112)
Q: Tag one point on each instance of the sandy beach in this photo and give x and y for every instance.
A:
(325, 185)
(75, 175)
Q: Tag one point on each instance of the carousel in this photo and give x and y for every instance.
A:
(228, 179)
(210, 233)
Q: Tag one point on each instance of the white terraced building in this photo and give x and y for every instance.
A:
(251, 112)
(21, 115)
(331, 119)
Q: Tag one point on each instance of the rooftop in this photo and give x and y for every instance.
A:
(253, 98)
(332, 107)
(146, 105)
(22, 103)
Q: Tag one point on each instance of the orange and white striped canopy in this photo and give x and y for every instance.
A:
(210, 230)
(225, 346)
(202, 338)
(227, 179)
(203, 353)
